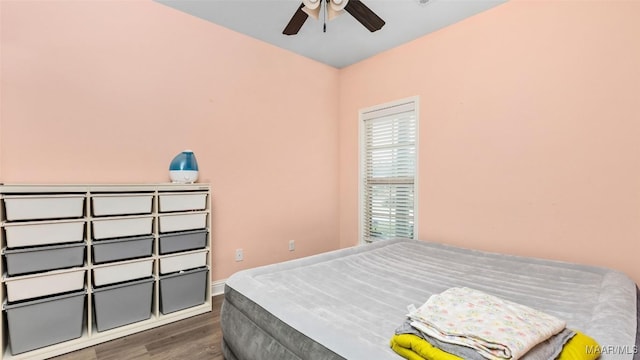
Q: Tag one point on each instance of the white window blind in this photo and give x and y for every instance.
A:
(388, 171)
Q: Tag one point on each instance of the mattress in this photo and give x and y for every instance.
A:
(346, 304)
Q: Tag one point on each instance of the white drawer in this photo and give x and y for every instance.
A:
(181, 222)
(112, 228)
(122, 272)
(30, 234)
(180, 262)
(44, 284)
(121, 204)
(38, 207)
(183, 202)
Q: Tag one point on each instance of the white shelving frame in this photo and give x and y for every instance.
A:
(90, 335)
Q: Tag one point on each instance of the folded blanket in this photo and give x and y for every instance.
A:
(496, 328)
(548, 349)
(413, 347)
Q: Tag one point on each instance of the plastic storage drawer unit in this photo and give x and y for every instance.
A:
(122, 249)
(122, 304)
(34, 234)
(43, 284)
(169, 223)
(43, 258)
(121, 204)
(183, 290)
(182, 202)
(183, 261)
(45, 322)
(121, 227)
(39, 207)
(182, 241)
(120, 272)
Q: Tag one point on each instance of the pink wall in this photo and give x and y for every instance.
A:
(528, 140)
(110, 91)
(529, 130)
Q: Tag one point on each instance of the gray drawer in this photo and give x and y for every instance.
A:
(43, 258)
(182, 241)
(122, 249)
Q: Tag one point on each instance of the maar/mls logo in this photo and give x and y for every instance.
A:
(612, 349)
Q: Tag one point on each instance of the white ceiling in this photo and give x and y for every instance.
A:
(346, 40)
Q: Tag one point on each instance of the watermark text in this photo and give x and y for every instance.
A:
(612, 349)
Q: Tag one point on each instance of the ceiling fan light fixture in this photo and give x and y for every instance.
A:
(313, 12)
(311, 4)
(332, 14)
(337, 5)
(333, 8)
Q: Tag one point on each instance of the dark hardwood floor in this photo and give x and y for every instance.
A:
(194, 338)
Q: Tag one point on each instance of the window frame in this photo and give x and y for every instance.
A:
(362, 117)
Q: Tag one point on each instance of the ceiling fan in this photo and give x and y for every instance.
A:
(332, 9)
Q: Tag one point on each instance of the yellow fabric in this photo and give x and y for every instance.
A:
(404, 352)
(413, 347)
(580, 347)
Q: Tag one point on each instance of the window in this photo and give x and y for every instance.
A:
(388, 165)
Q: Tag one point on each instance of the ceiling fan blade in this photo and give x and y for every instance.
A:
(294, 25)
(364, 15)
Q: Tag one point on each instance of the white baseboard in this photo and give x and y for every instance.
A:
(217, 287)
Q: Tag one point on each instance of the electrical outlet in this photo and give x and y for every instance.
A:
(292, 245)
(239, 255)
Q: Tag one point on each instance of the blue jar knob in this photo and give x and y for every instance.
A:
(184, 168)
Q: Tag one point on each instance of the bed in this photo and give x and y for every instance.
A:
(346, 304)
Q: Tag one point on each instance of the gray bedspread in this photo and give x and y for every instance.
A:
(346, 304)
